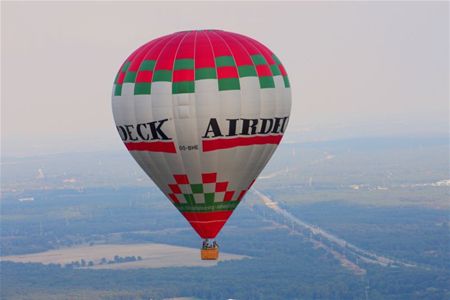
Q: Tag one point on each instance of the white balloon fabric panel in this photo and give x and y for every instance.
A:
(202, 113)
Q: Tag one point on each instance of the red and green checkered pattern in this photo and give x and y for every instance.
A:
(206, 205)
(208, 195)
(182, 58)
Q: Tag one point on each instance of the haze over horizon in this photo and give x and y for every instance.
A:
(356, 69)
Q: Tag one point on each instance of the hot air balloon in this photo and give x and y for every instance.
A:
(202, 112)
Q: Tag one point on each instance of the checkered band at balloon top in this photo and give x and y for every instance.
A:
(185, 57)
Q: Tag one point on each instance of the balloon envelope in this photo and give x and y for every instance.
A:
(202, 113)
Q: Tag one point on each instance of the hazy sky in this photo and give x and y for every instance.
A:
(378, 68)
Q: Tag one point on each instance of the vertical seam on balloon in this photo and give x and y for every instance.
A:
(138, 156)
(147, 155)
(214, 60)
(260, 46)
(173, 106)
(162, 155)
(217, 80)
(260, 101)
(121, 66)
(146, 53)
(133, 55)
(268, 150)
(176, 54)
(237, 150)
(240, 90)
(195, 107)
(159, 54)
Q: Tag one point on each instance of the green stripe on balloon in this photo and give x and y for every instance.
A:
(205, 73)
(225, 61)
(266, 82)
(206, 207)
(184, 64)
(162, 75)
(130, 77)
(142, 88)
(183, 87)
(125, 66)
(276, 59)
(247, 71)
(189, 199)
(286, 81)
(275, 70)
(258, 59)
(226, 84)
(209, 198)
(118, 90)
(147, 65)
(197, 188)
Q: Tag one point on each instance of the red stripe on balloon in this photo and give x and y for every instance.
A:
(208, 230)
(204, 57)
(167, 58)
(144, 76)
(207, 224)
(240, 55)
(183, 75)
(227, 72)
(140, 55)
(219, 46)
(282, 70)
(207, 216)
(121, 78)
(265, 52)
(168, 147)
(217, 144)
(186, 49)
(263, 70)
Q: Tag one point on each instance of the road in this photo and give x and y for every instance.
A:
(341, 248)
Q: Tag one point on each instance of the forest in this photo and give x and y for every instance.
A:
(282, 264)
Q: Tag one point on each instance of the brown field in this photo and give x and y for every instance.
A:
(153, 256)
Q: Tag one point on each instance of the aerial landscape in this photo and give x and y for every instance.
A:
(332, 183)
(379, 232)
